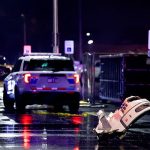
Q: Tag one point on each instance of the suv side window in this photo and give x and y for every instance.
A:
(17, 66)
(25, 65)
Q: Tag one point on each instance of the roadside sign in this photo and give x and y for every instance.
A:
(69, 47)
(27, 49)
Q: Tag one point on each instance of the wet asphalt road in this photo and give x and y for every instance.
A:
(41, 128)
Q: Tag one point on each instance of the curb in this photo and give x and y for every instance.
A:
(84, 103)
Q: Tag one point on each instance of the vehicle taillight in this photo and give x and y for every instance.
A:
(77, 78)
(27, 78)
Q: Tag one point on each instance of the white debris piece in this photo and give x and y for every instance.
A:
(118, 122)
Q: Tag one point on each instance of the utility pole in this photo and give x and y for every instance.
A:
(55, 27)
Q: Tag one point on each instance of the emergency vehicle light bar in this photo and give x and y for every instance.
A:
(42, 54)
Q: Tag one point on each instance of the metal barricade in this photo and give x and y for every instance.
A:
(111, 77)
(90, 88)
(121, 75)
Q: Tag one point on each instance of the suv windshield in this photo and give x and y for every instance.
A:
(48, 65)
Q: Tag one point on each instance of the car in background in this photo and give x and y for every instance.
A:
(42, 78)
(5, 67)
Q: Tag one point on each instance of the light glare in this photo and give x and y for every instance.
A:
(90, 42)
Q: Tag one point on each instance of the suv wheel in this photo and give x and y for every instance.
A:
(74, 106)
(58, 107)
(8, 103)
(20, 105)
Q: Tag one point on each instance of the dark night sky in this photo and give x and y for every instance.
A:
(109, 21)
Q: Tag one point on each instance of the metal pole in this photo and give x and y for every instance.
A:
(55, 27)
(24, 30)
(80, 31)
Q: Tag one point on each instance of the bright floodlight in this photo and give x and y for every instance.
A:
(90, 42)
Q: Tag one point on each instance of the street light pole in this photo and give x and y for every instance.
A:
(24, 30)
(80, 31)
(55, 27)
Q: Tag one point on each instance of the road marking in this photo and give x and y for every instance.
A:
(7, 120)
(64, 114)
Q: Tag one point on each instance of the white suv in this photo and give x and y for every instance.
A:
(42, 78)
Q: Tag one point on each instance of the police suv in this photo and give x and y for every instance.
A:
(42, 78)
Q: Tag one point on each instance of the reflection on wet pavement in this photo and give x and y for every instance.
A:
(40, 131)
(46, 130)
